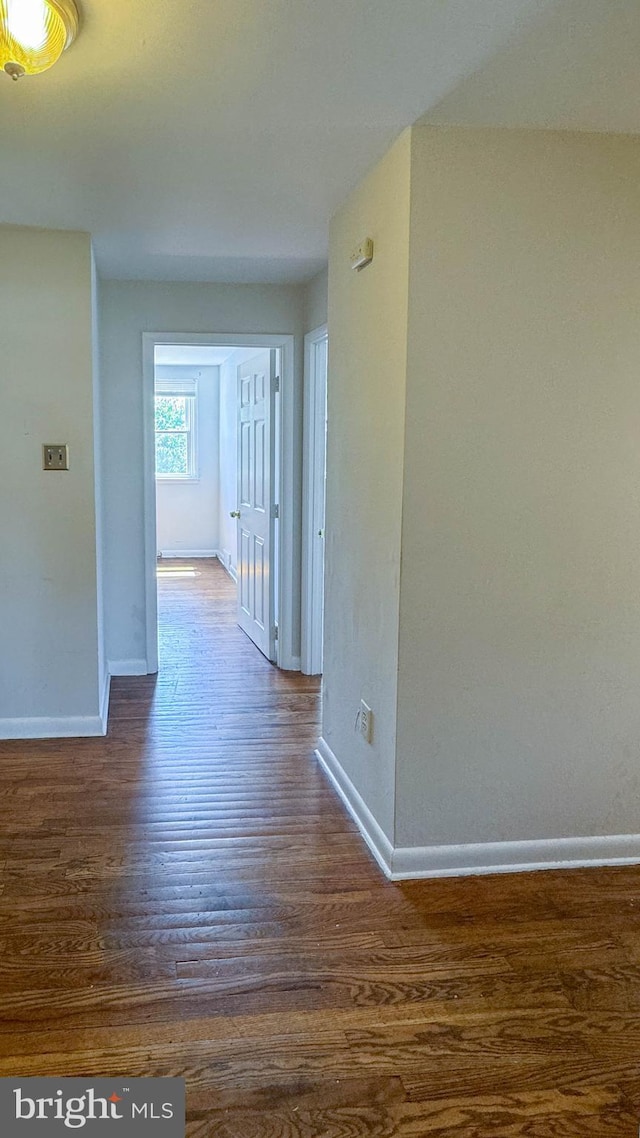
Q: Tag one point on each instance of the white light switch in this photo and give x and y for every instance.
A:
(55, 456)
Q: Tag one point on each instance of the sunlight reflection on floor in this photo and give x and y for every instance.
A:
(176, 571)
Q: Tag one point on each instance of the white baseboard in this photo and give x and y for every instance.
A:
(227, 566)
(514, 857)
(168, 554)
(400, 863)
(127, 668)
(373, 834)
(291, 664)
(61, 727)
(43, 727)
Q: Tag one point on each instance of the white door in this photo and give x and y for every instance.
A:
(255, 512)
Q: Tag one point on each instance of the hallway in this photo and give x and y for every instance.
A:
(188, 897)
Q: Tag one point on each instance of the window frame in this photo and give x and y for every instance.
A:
(178, 391)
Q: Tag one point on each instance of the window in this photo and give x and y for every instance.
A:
(175, 411)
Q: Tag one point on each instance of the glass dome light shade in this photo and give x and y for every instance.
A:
(34, 34)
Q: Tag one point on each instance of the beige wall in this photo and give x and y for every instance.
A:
(49, 613)
(315, 301)
(519, 667)
(367, 360)
(509, 445)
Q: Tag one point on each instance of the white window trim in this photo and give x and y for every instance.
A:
(193, 473)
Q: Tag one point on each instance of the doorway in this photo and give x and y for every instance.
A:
(188, 455)
(259, 489)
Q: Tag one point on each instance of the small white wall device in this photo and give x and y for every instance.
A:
(363, 255)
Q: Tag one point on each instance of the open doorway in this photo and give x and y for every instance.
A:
(189, 459)
(215, 476)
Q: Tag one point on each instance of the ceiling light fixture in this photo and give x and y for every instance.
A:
(34, 34)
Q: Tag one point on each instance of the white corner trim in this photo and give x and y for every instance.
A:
(104, 702)
(149, 484)
(44, 727)
(290, 663)
(128, 668)
(373, 834)
(313, 472)
(401, 863)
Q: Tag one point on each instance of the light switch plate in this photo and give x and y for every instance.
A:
(55, 456)
(363, 255)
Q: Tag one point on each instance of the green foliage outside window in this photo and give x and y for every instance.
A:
(174, 441)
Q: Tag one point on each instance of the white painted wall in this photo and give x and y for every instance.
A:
(316, 301)
(49, 610)
(129, 308)
(519, 665)
(187, 512)
(367, 365)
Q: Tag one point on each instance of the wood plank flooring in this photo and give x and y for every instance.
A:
(188, 897)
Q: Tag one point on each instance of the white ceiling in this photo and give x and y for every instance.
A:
(218, 149)
(578, 68)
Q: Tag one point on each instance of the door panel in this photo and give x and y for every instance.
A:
(260, 580)
(261, 478)
(244, 579)
(255, 464)
(244, 455)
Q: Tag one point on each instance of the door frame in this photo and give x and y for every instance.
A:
(282, 487)
(313, 463)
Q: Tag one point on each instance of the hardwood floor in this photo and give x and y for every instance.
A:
(188, 897)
